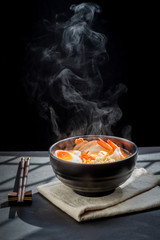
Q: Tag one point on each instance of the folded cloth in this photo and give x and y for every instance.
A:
(138, 193)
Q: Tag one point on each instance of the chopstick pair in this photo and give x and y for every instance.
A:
(21, 196)
(23, 178)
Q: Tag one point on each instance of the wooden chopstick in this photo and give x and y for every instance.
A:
(21, 180)
(25, 178)
(22, 174)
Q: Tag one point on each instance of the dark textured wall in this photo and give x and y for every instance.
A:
(131, 29)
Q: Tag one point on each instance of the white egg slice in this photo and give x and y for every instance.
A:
(70, 156)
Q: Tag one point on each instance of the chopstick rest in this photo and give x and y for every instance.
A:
(21, 196)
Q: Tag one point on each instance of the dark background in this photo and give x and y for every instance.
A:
(132, 30)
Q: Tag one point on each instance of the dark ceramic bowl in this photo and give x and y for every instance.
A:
(93, 179)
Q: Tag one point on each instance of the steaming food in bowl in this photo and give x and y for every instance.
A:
(88, 175)
(92, 152)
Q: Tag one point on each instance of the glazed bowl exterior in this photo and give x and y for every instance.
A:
(93, 179)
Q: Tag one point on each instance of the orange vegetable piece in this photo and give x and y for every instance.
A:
(105, 145)
(78, 140)
(112, 144)
(64, 155)
(86, 158)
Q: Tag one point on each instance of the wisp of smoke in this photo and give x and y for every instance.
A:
(64, 79)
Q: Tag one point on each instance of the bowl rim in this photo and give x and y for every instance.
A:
(92, 164)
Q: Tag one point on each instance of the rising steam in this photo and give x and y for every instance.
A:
(64, 79)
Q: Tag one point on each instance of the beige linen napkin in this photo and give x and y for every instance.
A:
(138, 193)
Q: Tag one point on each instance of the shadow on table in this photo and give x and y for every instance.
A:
(42, 213)
(148, 164)
(56, 224)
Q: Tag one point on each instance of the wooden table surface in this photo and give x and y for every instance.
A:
(42, 220)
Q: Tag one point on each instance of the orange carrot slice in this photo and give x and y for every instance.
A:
(105, 145)
(78, 140)
(112, 144)
(86, 158)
